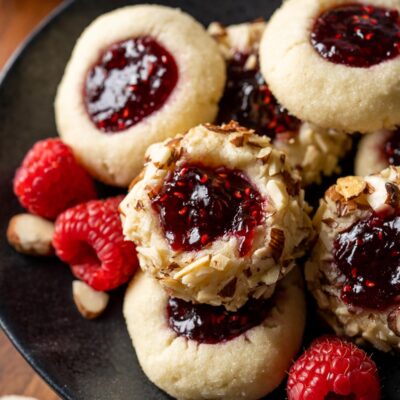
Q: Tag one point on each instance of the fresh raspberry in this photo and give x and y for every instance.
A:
(333, 369)
(50, 180)
(89, 238)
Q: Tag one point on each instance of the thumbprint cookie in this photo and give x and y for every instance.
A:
(354, 268)
(137, 75)
(377, 151)
(217, 215)
(198, 351)
(313, 151)
(336, 62)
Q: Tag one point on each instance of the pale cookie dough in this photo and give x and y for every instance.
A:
(370, 158)
(116, 158)
(317, 90)
(246, 367)
(350, 200)
(313, 151)
(202, 275)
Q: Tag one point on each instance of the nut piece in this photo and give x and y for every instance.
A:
(393, 320)
(89, 302)
(350, 186)
(30, 234)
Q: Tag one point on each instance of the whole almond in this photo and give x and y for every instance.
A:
(30, 234)
(89, 302)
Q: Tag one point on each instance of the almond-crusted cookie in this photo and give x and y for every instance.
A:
(217, 215)
(248, 366)
(354, 267)
(137, 75)
(313, 151)
(333, 70)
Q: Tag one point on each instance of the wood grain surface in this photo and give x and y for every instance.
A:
(17, 19)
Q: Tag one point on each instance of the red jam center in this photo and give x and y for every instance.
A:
(131, 80)
(210, 324)
(392, 148)
(357, 35)
(198, 204)
(368, 254)
(248, 100)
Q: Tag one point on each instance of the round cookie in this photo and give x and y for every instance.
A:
(217, 215)
(146, 73)
(352, 268)
(313, 151)
(377, 151)
(246, 367)
(325, 91)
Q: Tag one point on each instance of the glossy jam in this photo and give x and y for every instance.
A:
(248, 100)
(210, 324)
(131, 80)
(368, 254)
(198, 204)
(357, 35)
(391, 149)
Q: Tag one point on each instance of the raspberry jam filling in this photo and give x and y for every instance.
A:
(248, 100)
(131, 80)
(198, 204)
(391, 149)
(357, 35)
(368, 254)
(210, 324)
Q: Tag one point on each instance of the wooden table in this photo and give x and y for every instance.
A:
(17, 19)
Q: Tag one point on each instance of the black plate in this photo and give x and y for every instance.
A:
(84, 359)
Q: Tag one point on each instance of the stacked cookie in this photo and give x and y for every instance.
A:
(137, 75)
(218, 218)
(336, 63)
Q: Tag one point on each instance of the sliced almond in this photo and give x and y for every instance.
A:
(393, 194)
(350, 186)
(216, 29)
(378, 197)
(89, 302)
(30, 234)
(277, 243)
(393, 320)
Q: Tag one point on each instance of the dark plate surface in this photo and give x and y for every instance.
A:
(84, 359)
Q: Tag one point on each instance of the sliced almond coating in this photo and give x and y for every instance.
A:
(350, 186)
(30, 234)
(89, 302)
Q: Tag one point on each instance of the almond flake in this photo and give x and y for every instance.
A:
(350, 186)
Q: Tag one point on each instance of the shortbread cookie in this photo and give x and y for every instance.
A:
(137, 75)
(230, 360)
(377, 151)
(354, 267)
(247, 99)
(336, 63)
(217, 215)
